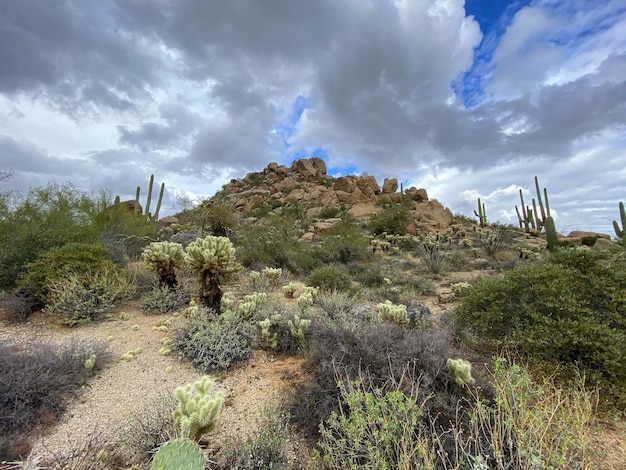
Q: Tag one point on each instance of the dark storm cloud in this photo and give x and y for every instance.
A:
(179, 120)
(73, 54)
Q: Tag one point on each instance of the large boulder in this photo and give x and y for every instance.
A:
(367, 184)
(418, 195)
(364, 210)
(432, 216)
(345, 184)
(588, 238)
(390, 185)
(309, 168)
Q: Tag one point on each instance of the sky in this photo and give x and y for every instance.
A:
(465, 99)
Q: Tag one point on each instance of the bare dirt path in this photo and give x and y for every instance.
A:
(125, 387)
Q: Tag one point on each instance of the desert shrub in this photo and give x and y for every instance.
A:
(394, 219)
(146, 429)
(72, 258)
(376, 352)
(214, 344)
(43, 219)
(82, 297)
(267, 447)
(370, 276)
(527, 425)
(337, 304)
(567, 311)
(18, 308)
(492, 239)
(329, 212)
(96, 451)
(344, 243)
(331, 278)
(37, 378)
(159, 301)
(273, 243)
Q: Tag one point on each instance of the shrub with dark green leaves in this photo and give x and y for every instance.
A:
(569, 311)
(72, 258)
(394, 219)
(214, 344)
(43, 219)
(335, 278)
(344, 243)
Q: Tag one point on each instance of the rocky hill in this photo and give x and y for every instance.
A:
(307, 185)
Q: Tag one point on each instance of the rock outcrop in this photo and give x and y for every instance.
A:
(306, 185)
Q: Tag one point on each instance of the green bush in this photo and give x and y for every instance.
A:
(394, 219)
(72, 258)
(43, 219)
(214, 345)
(79, 298)
(274, 243)
(335, 278)
(344, 243)
(568, 311)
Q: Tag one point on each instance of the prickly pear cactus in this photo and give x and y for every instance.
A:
(178, 454)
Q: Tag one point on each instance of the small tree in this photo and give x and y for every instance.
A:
(164, 258)
(212, 259)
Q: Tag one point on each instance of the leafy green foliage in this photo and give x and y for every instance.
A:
(71, 258)
(344, 243)
(393, 219)
(274, 243)
(568, 311)
(43, 219)
(332, 277)
(82, 297)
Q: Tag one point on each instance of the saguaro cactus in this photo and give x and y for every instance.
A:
(212, 259)
(147, 214)
(551, 236)
(481, 214)
(619, 232)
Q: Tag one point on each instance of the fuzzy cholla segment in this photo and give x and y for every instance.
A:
(163, 255)
(216, 254)
(198, 408)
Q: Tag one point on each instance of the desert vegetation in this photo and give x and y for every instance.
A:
(473, 346)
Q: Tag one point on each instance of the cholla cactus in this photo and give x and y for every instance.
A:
(305, 301)
(212, 259)
(290, 289)
(272, 275)
(269, 340)
(313, 291)
(298, 328)
(198, 408)
(460, 288)
(228, 299)
(397, 314)
(461, 370)
(255, 278)
(164, 258)
(250, 303)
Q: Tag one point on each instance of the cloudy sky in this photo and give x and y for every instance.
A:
(465, 99)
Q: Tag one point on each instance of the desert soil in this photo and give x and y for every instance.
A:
(123, 388)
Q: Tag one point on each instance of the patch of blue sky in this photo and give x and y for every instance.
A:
(287, 127)
(493, 16)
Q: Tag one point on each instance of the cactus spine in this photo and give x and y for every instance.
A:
(178, 453)
(551, 236)
(620, 232)
(481, 214)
